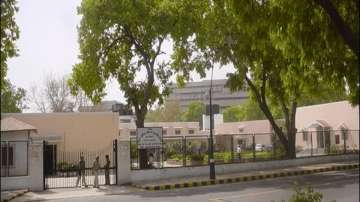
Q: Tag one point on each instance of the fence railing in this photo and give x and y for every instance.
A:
(62, 168)
(14, 158)
(181, 151)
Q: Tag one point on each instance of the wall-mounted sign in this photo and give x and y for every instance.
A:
(149, 138)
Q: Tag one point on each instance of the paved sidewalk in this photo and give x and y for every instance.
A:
(8, 195)
(62, 193)
(244, 176)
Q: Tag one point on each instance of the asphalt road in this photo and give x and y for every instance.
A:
(337, 185)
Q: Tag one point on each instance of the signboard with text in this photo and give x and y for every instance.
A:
(148, 138)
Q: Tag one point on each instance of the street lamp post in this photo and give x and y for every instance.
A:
(211, 142)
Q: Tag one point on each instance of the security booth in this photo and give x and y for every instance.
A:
(150, 147)
(15, 136)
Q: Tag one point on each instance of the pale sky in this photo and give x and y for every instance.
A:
(48, 45)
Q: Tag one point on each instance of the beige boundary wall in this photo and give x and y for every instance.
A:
(89, 131)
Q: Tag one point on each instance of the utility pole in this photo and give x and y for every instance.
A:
(211, 142)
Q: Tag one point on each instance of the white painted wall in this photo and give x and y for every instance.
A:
(123, 169)
(218, 119)
(335, 114)
(18, 140)
(20, 159)
(34, 180)
(167, 173)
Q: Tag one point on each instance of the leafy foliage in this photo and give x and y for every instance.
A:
(318, 43)
(9, 34)
(12, 99)
(194, 112)
(247, 111)
(305, 195)
(173, 150)
(247, 34)
(67, 167)
(169, 112)
(250, 110)
(120, 39)
(197, 156)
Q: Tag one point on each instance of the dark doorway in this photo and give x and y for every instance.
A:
(327, 140)
(50, 159)
(320, 139)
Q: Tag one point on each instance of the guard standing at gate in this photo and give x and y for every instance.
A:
(107, 170)
(95, 169)
(81, 173)
(238, 151)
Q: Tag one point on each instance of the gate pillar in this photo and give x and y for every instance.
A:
(123, 162)
(36, 172)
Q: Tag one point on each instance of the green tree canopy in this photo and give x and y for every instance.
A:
(169, 112)
(9, 34)
(194, 112)
(250, 110)
(322, 34)
(120, 39)
(247, 111)
(12, 99)
(243, 33)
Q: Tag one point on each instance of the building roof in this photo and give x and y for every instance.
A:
(104, 106)
(108, 106)
(12, 124)
(243, 127)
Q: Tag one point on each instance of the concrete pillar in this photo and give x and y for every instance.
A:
(123, 162)
(36, 173)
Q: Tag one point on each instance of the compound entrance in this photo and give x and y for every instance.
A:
(61, 168)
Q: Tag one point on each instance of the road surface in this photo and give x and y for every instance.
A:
(342, 186)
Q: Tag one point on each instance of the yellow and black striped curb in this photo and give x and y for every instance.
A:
(246, 178)
(14, 196)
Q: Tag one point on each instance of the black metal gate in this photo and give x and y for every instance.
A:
(62, 170)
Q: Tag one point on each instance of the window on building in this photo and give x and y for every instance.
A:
(7, 156)
(305, 136)
(191, 131)
(132, 133)
(164, 131)
(241, 130)
(337, 139)
(177, 132)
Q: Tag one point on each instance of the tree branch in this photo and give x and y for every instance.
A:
(264, 107)
(263, 85)
(107, 49)
(158, 49)
(344, 30)
(138, 47)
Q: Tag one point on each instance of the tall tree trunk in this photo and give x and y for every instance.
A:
(292, 131)
(140, 119)
(261, 99)
(341, 27)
